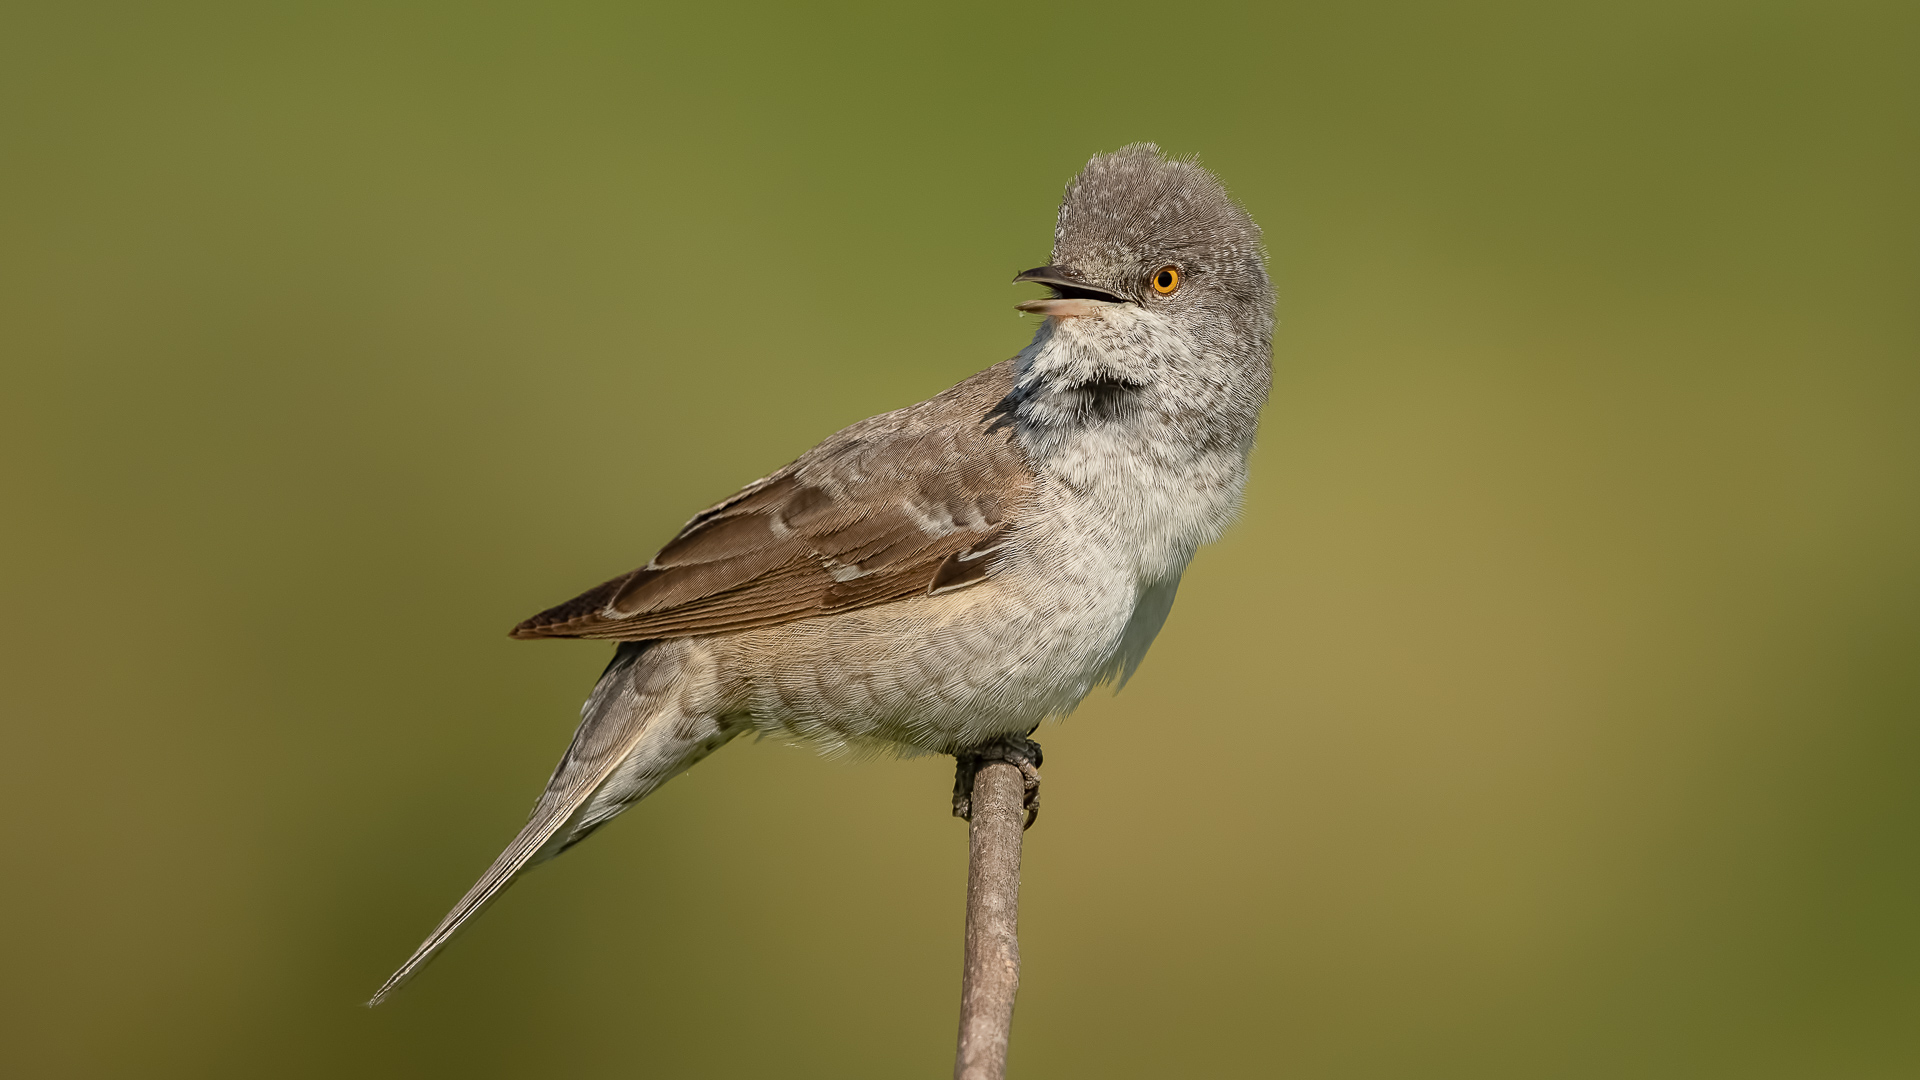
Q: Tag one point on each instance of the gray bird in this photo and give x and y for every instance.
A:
(947, 576)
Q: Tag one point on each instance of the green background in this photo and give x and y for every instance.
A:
(1553, 712)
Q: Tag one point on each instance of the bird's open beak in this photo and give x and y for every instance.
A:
(1072, 296)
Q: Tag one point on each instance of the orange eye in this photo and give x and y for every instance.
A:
(1165, 280)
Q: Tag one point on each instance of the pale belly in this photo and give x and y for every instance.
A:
(942, 672)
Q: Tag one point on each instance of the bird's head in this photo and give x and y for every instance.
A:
(1141, 232)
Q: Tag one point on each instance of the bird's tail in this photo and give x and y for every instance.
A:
(633, 736)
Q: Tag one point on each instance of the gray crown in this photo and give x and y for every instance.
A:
(1132, 211)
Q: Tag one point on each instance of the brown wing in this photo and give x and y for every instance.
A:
(904, 504)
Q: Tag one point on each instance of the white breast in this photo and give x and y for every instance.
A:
(1147, 480)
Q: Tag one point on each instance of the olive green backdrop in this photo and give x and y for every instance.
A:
(1554, 711)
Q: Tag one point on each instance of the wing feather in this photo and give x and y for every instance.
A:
(901, 505)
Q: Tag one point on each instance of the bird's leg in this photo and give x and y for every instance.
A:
(1020, 752)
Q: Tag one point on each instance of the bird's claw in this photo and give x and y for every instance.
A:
(1022, 753)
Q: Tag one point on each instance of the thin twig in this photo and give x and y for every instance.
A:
(992, 974)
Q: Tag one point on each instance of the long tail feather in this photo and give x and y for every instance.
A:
(628, 707)
(535, 836)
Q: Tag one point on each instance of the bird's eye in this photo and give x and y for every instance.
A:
(1165, 280)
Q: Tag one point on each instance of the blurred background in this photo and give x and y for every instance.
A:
(1552, 713)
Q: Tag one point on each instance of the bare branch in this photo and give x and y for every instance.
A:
(992, 973)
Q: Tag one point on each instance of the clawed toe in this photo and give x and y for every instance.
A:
(1022, 753)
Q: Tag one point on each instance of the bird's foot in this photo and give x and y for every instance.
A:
(1021, 753)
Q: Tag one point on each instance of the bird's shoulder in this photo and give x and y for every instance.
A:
(908, 503)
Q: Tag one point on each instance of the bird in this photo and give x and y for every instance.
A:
(945, 577)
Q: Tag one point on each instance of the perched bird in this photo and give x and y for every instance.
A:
(947, 576)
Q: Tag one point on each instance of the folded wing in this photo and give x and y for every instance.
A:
(905, 504)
